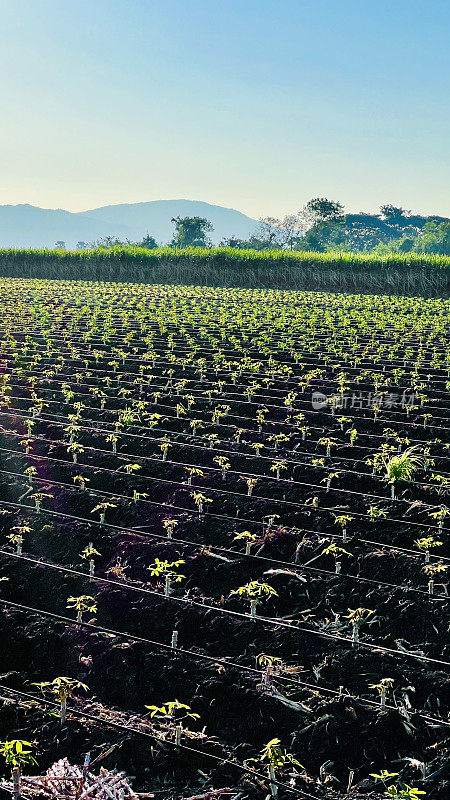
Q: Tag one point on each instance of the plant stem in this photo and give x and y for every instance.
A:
(273, 785)
(16, 782)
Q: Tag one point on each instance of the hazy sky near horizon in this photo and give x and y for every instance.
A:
(257, 105)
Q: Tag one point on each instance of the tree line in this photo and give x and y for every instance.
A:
(322, 225)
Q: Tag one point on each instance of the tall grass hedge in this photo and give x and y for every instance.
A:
(427, 275)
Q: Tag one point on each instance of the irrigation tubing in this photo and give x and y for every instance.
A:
(236, 614)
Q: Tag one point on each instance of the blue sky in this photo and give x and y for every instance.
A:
(257, 105)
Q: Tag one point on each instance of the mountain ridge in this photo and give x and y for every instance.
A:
(25, 225)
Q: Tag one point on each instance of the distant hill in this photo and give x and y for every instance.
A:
(29, 226)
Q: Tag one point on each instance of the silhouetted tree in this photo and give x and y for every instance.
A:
(191, 232)
(148, 242)
(393, 213)
(319, 209)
